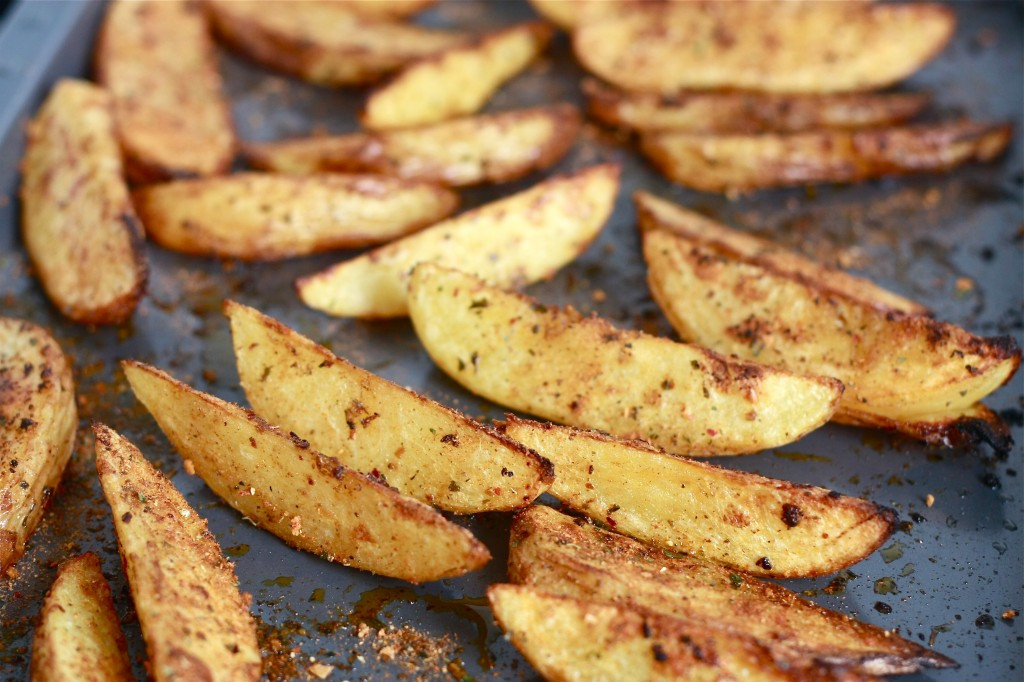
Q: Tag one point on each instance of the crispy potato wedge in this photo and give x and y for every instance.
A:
(754, 524)
(516, 240)
(491, 148)
(456, 82)
(195, 621)
(156, 60)
(77, 219)
(686, 399)
(787, 47)
(79, 636)
(734, 163)
(899, 369)
(422, 448)
(562, 555)
(385, 9)
(38, 419)
(323, 41)
(342, 515)
(260, 216)
(747, 112)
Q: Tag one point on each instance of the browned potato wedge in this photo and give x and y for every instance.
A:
(156, 60)
(562, 555)
(468, 151)
(76, 215)
(751, 523)
(732, 163)
(195, 621)
(557, 364)
(456, 82)
(79, 636)
(570, 14)
(747, 112)
(788, 47)
(516, 240)
(385, 9)
(310, 501)
(257, 216)
(38, 419)
(420, 447)
(323, 41)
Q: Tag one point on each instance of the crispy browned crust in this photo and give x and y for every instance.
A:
(966, 429)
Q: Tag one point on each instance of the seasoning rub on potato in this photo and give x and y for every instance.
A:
(557, 364)
(310, 501)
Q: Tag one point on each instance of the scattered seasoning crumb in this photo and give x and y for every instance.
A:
(320, 671)
(1010, 614)
(599, 296)
(190, 468)
(929, 500)
(296, 524)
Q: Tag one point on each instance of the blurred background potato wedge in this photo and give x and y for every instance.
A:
(343, 516)
(77, 220)
(418, 446)
(385, 9)
(262, 216)
(195, 621)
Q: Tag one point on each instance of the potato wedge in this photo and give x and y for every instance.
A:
(77, 219)
(491, 148)
(342, 515)
(323, 41)
(259, 216)
(786, 47)
(747, 112)
(754, 524)
(557, 364)
(571, 14)
(516, 240)
(456, 82)
(735, 163)
(156, 60)
(562, 555)
(38, 419)
(898, 368)
(385, 9)
(422, 448)
(79, 635)
(195, 621)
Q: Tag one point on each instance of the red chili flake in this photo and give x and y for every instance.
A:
(712, 432)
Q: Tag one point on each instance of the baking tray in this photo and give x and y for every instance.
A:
(953, 242)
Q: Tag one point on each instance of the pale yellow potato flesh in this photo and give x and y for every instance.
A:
(263, 216)
(310, 501)
(456, 82)
(787, 47)
(562, 555)
(735, 163)
(489, 148)
(420, 447)
(559, 365)
(513, 241)
(38, 419)
(77, 219)
(79, 636)
(195, 621)
(751, 523)
(156, 59)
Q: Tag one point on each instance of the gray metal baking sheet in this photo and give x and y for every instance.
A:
(953, 242)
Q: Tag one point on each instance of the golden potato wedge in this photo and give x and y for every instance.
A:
(323, 41)
(385, 9)
(571, 14)
(747, 112)
(557, 364)
(733, 163)
(156, 60)
(422, 448)
(38, 418)
(754, 524)
(195, 621)
(898, 368)
(79, 636)
(786, 47)
(516, 240)
(456, 82)
(562, 555)
(310, 501)
(77, 219)
(261, 216)
(468, 151)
